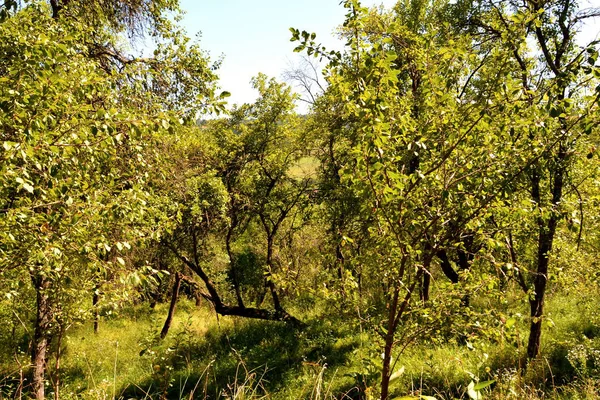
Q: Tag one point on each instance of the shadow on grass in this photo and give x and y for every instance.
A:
(262, 356)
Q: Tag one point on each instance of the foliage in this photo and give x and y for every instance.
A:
(75, 156)
(413, 235)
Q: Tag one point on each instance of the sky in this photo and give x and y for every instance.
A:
(253, 35)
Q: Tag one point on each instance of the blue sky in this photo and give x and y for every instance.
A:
(253, 35)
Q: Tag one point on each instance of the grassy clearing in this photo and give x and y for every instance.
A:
(209, 357)
(126, 351)
(305, 167)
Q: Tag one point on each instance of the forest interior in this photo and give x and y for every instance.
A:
(415, 215)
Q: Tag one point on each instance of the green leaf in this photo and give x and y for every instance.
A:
(391, 56)
(483, 385)
(28, 187)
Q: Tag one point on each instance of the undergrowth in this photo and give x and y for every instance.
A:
(205, 356)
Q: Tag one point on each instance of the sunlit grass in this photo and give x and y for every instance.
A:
(306, 167)
(208, 357)
(126, 350)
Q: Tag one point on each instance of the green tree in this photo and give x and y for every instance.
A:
(75, 145)
(435, 120)
(254, 150)
(552, 118)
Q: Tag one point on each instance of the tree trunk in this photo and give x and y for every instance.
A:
(535, 329)
(395, 313)
(224, 309)
(339, 258)
(153, 300)
(547, 231)
(174, 297)
(447, 267)
(40, 338)
(389, 344)
(233, 268)
(426, 284)
(95, 300)
(270, 283)
(536, 304)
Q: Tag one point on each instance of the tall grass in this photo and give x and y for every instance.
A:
(206, 357)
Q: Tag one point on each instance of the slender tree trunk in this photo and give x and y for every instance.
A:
(95, 300)
(270, 283)
(339, 256)
(394, 316)
(395, 313)
(233, 268)
(40, 338)
(536, 304)
(174, 297)
(389, 344)
(547, 231)
(426, 284)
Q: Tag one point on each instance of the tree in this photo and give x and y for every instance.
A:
(411, 134)
(75, 148)
(435, 145)
(555, 112)
(247, 183)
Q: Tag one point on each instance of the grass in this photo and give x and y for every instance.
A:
(208, 357)
(126, 350)
(305, 167)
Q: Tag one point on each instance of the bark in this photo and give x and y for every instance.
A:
(447, 267)
(95, 300)
(426, 283)
(558, 173)
(56, 7)
(40, 338)
(233, 267)
(224, 309)
(464, 262)
(394, 315)
(536, 303)
(339, 257)
(389, 344)
(547, 231)
(174, 297)
(464, 258)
